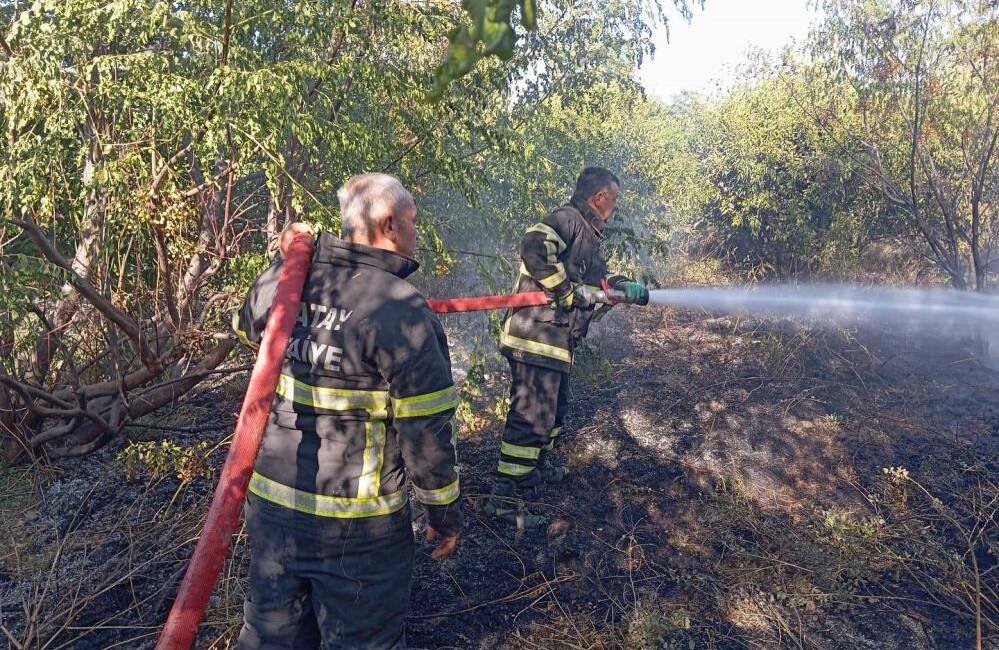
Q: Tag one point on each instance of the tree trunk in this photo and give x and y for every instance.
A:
(89, 436)
(87, 250)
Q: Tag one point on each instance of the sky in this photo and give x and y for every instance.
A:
(706, 51)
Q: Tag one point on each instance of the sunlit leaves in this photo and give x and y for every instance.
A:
(488, 30)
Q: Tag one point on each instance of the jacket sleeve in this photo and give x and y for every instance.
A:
(540, 249)
(249, 321)
(412, 356)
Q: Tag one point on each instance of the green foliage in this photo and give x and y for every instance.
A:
(910, 85)
(487, 32)
(164, 458)
(161, 146)
(591, 365)
(780, 193)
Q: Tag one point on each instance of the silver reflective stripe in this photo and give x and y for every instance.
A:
(513, 469)
(426, 404)
(325, 506)
(374, 456)
(518, 451)
(375, 402)
(439, 497)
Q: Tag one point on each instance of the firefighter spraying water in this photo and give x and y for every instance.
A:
(561, 256)
(358, 369)
(363, 398)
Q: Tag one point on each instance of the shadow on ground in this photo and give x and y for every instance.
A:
(733, 484)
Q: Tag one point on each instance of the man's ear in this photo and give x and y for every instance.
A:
(386, 227)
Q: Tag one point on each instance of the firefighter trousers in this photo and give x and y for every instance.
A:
(325, 583)
(539, 399)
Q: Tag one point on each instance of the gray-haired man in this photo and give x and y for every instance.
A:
(365, 400)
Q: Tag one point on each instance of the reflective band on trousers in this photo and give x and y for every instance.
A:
(426, 404)
(551, 438)
(513, 469)
(534, 347)
(243, 338)
(439, 497)
(325, 506)
(518, 451)
(375, 402)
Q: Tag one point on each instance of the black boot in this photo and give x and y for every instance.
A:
(549, 470)
(505, 504)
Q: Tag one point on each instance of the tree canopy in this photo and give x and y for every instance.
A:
(151, 151)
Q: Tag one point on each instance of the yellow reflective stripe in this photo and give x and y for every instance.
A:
(556, 278)
(440, 496)
(518, 451)
(243, 338)
(550, 445)
(552, 249)
(534, 347)
(554, 432)
(549, 234)
(513, 469)
(553, 280)
(325, 506)
(374, 456)
(426, 404)
(375, 402)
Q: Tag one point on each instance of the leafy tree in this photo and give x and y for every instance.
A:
(150, 150)
(782, 195)
(913, 84)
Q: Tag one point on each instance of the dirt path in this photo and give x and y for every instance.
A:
(728, 488)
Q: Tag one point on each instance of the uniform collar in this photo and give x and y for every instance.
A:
(589, 216)
(333, 250)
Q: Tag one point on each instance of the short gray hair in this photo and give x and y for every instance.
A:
(366, 199)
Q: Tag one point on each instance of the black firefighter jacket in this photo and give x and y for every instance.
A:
(558, 254)
(365, 396)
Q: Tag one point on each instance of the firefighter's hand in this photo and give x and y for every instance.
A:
(634, 293)
(447, 546)
(288, 234)
(582, 299)
(564, 302)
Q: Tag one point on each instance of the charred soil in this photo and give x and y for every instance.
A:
(733, 483)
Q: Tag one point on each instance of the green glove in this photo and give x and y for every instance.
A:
(634, 293)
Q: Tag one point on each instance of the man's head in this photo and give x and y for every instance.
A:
(376, 210)
(598, 188)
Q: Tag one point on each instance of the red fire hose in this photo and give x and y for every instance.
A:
(479, 303)
(223, 515)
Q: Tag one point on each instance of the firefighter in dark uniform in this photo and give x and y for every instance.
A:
(364, 402)
(559, 255)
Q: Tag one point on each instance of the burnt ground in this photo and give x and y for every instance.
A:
(734, 483)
